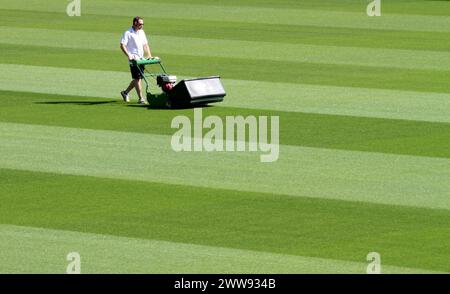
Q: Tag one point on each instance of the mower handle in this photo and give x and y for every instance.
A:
(146, 61)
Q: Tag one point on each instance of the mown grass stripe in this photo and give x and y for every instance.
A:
(249, 14)
(351, 101)
(313, 130)
(321, 173)
(229, 219)
(418, 7)
(263, 51)
(421, 7)
(218, 29)
(38, 251)
(281, 96)
(240, 69)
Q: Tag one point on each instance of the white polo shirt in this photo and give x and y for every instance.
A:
(134, 42)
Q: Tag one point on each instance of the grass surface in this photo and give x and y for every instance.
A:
(227, 218)
(305, 129)
(364, 132)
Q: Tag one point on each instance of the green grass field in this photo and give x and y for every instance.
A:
(364, 165)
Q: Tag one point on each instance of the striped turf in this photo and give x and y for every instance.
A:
(299, 226)
(421, 80)
(364, 163)
(289, 97)
(219, 29)
(346, 175)
(248, 14)
(110, 254)
(314, 130)
(21, 248)
(262, 50)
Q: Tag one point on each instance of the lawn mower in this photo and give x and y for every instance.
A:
(187, 93)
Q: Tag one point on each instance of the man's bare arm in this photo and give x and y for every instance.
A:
(125, 51)
(147, 51)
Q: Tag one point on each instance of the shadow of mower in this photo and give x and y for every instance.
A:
(158, 101)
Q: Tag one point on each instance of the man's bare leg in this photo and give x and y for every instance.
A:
(138, 85)
(124, 93)
(131, 86)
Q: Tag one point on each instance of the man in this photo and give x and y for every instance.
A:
(134, 45)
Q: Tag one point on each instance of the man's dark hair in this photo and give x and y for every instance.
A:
(136, 20)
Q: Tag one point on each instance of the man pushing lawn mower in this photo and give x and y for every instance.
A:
(134, 44)
(187, 93)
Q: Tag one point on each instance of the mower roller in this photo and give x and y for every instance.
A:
(187, 93)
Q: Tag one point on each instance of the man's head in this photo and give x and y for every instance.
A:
(138, 23)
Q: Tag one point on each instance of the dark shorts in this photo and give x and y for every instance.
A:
(135, 73)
